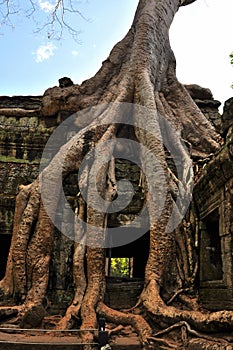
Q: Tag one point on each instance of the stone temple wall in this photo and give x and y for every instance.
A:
(22, 140)
(24, 132)
(213, 195)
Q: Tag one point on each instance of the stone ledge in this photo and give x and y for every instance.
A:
(207, 103)
(25, 102)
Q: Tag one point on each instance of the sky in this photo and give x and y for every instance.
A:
(201, 38)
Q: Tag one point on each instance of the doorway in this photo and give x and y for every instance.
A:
(5, 241)
(210, 252)
(134, 254)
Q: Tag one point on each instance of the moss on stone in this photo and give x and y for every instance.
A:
(6, 159)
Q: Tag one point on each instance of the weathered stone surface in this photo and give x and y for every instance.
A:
(25, 102)
(14, 174)
(122, 295)
(58, 99)
(213, 198)
(198, 92)
(33, 317)
(227, 117)
(22, 138)
(65, 82)
(204, 99)
(207, 103)
(5, 312)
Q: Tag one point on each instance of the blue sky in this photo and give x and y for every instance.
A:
(201, 37)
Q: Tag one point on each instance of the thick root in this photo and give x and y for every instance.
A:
(140, 325)
(6, 284)
(131, 74)
(189, 330)
(204, 322)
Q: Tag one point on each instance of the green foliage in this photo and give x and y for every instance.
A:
(6, 159)
(120, 267)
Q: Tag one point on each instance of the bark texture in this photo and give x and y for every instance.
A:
(141, 70)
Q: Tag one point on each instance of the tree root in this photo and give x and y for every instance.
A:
(115, 330)
(205, 322)
(176, 294)
(140, 325)
(168, 344)
(139, 70)
(189, 330)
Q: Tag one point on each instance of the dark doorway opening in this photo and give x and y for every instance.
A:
(136, 252)
(211, 248)
(5, 241)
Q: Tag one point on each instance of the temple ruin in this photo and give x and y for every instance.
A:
(22, 140)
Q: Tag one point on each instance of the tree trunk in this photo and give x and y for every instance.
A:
(140, 70)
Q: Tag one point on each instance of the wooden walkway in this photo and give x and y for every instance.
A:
(21, 339)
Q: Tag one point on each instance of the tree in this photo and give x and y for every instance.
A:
(140, 70)
(56, 19)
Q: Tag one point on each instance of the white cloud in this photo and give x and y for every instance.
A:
(74, 53)
(44, 52)
(46, 6)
